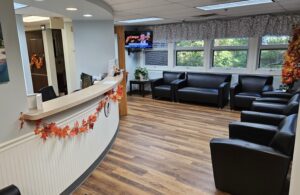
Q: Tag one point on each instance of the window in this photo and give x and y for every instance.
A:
(230, 53)
(272, 49)
(190, 53)
(158, 56)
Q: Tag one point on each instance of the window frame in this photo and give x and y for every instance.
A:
(187, 49)
(262, 47)
(229, 48)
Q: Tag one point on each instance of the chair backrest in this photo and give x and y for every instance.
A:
(284, 139)
(293, 105)
(48, 93)
(254, 83)
(172, 76)
(10, 190)
(207, 80)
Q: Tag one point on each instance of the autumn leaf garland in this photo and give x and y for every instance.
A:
(46, 130)
(291, 69)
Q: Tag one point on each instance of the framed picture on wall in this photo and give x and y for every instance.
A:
(3, 63)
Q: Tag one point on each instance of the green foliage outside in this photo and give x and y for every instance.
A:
(232, 58)
(190, 58)
(275, 40)
(271, 58)
(190, 44)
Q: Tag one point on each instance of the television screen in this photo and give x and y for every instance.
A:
(138, 39)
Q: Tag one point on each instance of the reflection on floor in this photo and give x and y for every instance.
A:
(162, 148)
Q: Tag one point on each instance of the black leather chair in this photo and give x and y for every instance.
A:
(245, 168)
(261, 133)
(291, 107)
(10, 190)
(48, 93)
(248, 88)
(204, 88)
(162, 87)
(276, 97)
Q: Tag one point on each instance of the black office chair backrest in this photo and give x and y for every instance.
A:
(284, 139)
(172, 76)
(10, 190)
(293, 105)
(254, 83)
(48, 93)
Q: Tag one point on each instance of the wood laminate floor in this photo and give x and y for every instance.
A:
(162, 148)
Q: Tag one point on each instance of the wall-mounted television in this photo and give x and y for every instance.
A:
(138, 39)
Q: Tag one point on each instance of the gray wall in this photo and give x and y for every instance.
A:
(94, 45)
(12, 94)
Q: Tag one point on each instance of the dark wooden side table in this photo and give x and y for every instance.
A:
(141, 84)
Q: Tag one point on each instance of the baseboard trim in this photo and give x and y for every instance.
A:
(87, 173)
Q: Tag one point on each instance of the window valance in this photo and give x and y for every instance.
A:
(250, 26)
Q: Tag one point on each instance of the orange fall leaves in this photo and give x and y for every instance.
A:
(291, 69)
(45, 130)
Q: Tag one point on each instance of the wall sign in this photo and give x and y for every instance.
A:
(107, 109)
(3, 64)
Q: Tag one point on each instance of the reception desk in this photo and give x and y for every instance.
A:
(58, 166)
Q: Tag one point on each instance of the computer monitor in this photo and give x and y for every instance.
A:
(86, 80)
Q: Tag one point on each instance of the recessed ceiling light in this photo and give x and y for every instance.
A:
(88, 15)
(39, 0)
(71, 9)
(35, 19)
(140, 20)
(19, 5)
(234, 4)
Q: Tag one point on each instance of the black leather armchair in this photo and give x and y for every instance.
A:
(162, 87)
(48, 93)
(254, 167)
(276, 108)
(10, 190)
(276, 97)
(248, 88)
(245, 168)
(203, 88)
(262, 133)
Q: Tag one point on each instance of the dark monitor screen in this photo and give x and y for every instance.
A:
(87, 80)
(138, 39)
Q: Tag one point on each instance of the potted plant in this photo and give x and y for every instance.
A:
(141, 73)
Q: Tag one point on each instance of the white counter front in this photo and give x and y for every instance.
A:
(51, 167)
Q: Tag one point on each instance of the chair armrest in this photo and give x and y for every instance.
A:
(235, 88)
(156, 82)
(179, 83)
(10, 190)
(267, 88)
(273, 100)
(273, 108)
(262, 118)
(292, 108)
(277, 94)
(252, 132)
(241, 167)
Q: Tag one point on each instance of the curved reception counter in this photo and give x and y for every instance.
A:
(58, 165)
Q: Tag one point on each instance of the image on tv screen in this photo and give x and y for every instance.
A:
(138, 39)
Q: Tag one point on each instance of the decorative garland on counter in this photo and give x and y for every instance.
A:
(47, 130)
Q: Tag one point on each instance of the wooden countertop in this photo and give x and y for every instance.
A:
(63, 103)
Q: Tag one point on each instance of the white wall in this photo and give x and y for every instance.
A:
(13, 94)
(73, 81)
(24, 54)
(94, 44)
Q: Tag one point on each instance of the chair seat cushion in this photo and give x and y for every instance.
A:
(245, 99)
(249, 94)
(195, 94)
(163, 87)
(163, 91)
